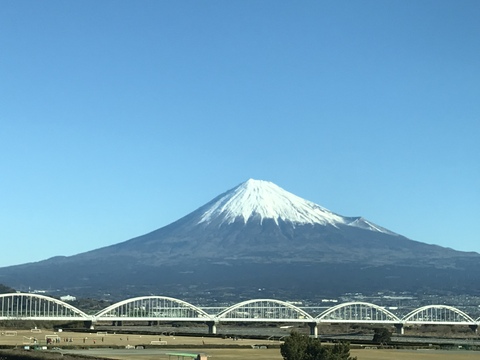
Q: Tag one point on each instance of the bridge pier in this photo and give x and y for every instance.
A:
(473, 327)
(212, 327)
(400, 329)
(313, 330)
(88, 324)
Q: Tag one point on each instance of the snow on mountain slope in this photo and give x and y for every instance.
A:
(258, 199)
(360, 222)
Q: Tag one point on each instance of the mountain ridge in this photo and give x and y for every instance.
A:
(265, 200)
(249, 235)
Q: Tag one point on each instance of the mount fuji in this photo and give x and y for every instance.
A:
(257, 236)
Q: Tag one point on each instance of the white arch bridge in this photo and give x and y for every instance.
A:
(156, 309)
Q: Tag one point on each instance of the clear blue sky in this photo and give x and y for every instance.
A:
(119, 117)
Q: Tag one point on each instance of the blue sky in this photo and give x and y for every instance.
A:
(119, 117)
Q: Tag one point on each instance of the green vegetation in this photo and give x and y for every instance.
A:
(382, 336)
(303, 347)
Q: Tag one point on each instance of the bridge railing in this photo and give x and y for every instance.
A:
(434, 314)
(153, 308)
(34, 306)
(358, 312)
(27, 306)
(263, 310)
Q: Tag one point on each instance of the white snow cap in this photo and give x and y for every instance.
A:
(261, 200)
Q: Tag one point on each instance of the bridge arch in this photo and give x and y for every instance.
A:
(264, 310)
(152, 308)
(358, 312)
(39, 307)
(432, 314)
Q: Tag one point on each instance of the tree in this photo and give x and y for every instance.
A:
(302, 347)
(382, 336)
(294, 347)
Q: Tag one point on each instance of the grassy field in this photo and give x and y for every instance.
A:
(114, 346)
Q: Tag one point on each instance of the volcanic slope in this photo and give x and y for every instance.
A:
(259, 235)
(259, 221)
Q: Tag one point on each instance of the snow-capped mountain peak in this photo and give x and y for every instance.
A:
(259, 200)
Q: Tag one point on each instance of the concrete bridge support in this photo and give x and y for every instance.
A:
(313, 330)
(474, 328)
(400, 329)
(212, 327)
(88, 324)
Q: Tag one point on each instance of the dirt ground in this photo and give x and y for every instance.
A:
(99, 339)
(97, 344)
